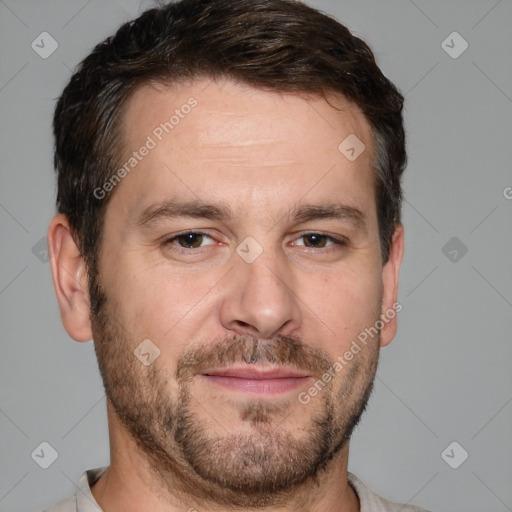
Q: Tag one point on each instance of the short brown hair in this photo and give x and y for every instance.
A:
(281, 45)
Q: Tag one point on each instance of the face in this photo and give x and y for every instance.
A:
(243, 247)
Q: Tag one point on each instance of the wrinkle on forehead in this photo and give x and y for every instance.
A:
(284, 145)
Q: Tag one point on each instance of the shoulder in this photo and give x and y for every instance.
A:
(67, 505)
(372, 502)
(83, 501)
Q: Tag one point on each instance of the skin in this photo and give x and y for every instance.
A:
(261, 153)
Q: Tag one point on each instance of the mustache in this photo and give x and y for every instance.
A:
(280, 350)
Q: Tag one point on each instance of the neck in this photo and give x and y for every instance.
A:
(131, 484)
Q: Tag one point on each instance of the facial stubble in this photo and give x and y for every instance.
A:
(231, 468)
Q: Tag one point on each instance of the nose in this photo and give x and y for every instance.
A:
(260, 300)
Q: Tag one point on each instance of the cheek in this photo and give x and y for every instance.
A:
(162, 304)
(347, 302)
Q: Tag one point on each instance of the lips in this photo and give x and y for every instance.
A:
(254, 372)
(260, 380)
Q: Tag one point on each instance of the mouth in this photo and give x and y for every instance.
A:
(257, 380)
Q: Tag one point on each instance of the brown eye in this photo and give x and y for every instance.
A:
(320, 241)
(190, 240)
(315, 240)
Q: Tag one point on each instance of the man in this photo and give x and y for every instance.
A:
(228, 233)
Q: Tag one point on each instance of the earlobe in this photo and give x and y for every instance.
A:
(70, 280)
(390, 280)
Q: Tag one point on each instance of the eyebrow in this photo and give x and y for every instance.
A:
(195, 209)
(222, 212)
(343, 212)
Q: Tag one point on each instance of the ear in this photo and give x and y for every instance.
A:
(70, 280)
(390, 278)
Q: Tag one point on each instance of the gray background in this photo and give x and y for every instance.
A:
(446, 377)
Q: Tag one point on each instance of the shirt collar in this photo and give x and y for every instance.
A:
(85, 501)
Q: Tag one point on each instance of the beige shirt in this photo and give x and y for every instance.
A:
(84, 501)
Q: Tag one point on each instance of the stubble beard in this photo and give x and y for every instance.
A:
(233, 469)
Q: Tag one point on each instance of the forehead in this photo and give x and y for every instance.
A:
(243, 145)
(241, 111)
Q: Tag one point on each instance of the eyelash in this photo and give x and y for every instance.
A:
(337, 243)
